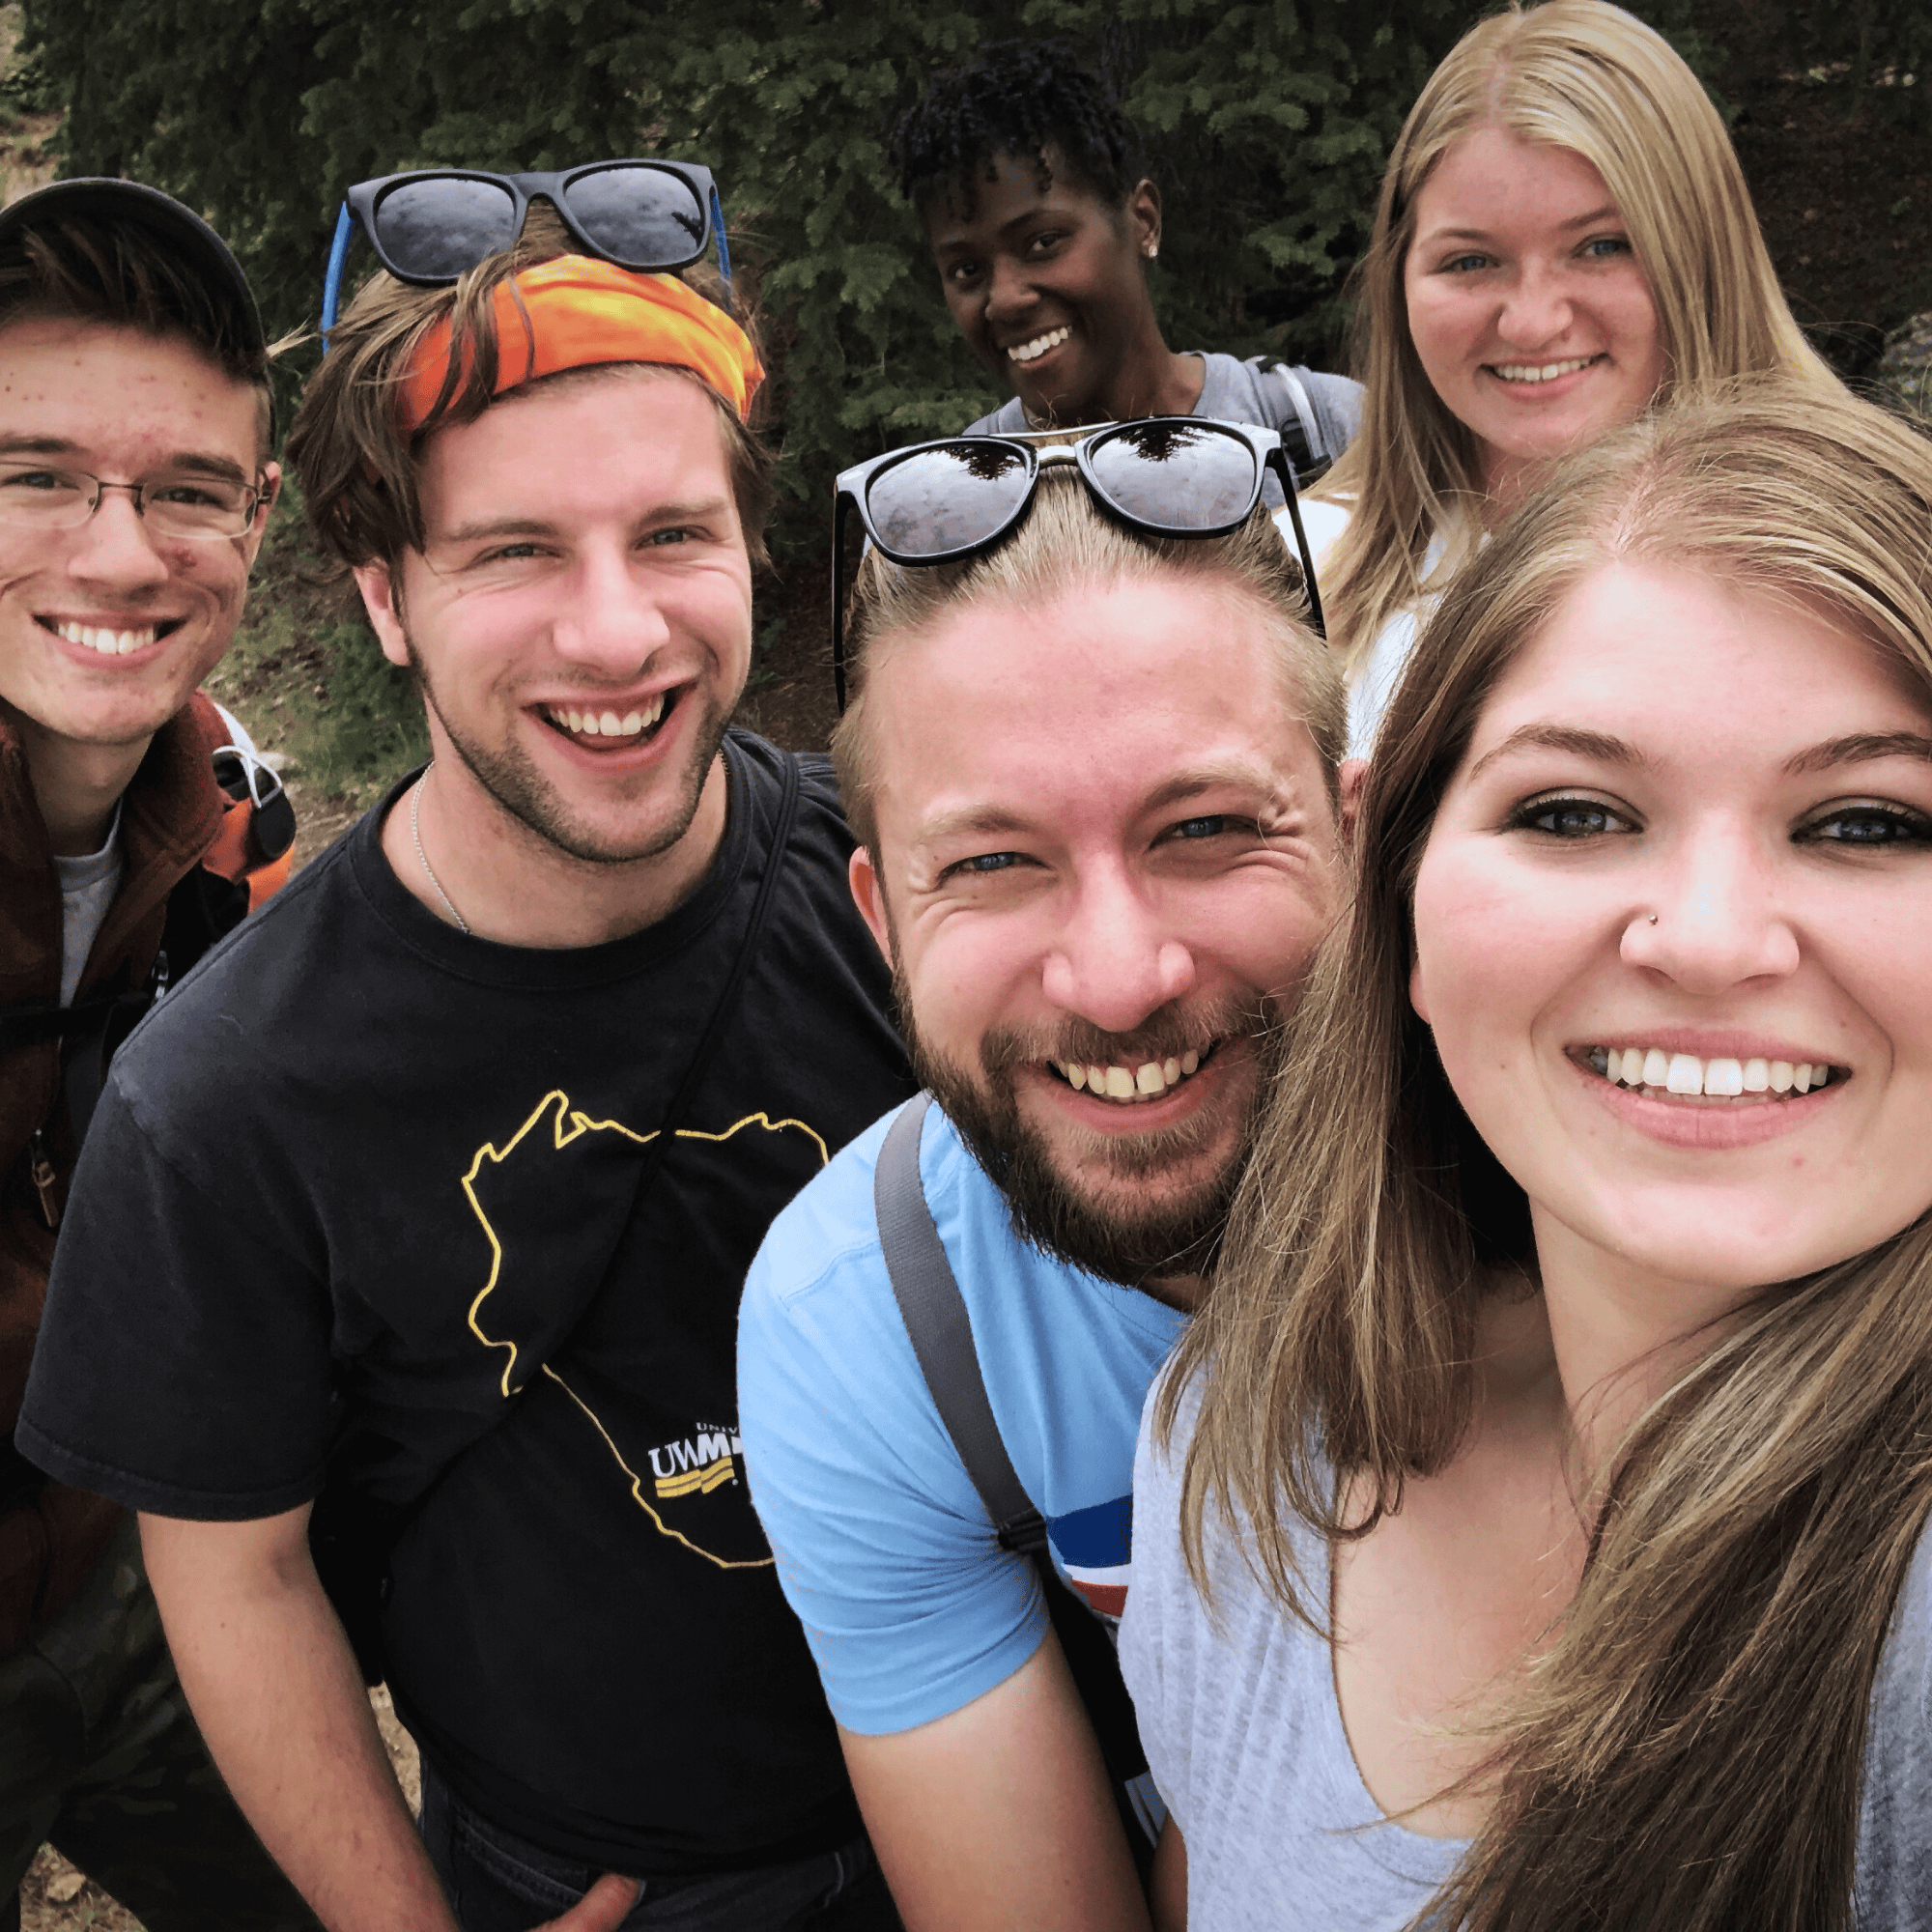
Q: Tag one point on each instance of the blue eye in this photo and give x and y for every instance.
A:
(1604, 246)
(1868, 823)
(1201, 828)
(1568, 818)
(990, 862)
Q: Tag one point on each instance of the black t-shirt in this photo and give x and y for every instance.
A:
(348, 1205)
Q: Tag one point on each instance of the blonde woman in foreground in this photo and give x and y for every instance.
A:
(1555, 1447)
(1563, 237)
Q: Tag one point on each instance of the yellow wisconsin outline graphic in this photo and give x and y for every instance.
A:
(567, 1124)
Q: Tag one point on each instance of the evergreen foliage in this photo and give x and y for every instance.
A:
(1267, 122)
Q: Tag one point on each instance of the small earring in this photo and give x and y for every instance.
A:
(1153, 249)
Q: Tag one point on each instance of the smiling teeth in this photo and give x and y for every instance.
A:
(1684, 1073)
(1028, 352)
(1541, 372)
(1144, 1082)
(607, 724)
(109, 643)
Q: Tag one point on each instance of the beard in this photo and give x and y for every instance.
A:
(517, 785)
(1136, 1235)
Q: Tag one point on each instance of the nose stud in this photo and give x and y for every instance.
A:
(1652, 918)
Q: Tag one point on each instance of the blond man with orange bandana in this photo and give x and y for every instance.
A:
(403, 1281)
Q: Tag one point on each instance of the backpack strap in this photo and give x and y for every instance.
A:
(1300, 432)
(934, 1313)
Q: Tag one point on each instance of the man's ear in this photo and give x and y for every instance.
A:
(869, 894)
(271, 487)
(1350, 777)
(384, 608)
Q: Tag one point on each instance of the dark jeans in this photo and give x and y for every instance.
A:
(99, 1755)
(501, 1883)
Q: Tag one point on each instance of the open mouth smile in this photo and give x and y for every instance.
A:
(1032, 352)
(111, 642)
(1541, 372)
(1683, 1076)
(1133, 1086)
(605, 728)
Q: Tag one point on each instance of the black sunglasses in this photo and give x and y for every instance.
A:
(1169, 477)
(429, 226)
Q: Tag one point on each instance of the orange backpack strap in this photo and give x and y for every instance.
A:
(253, 840)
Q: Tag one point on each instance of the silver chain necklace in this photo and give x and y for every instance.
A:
(416, 832)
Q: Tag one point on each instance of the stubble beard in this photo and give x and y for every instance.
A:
(512, 777)
(1167, 1236)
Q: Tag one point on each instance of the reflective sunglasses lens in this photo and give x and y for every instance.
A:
(640, 217)
(436, 229)
(1178, 476)
(947, 498)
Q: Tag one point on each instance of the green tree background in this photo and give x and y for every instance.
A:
(1267, 124)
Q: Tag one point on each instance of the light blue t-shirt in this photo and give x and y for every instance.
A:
(884, 1548)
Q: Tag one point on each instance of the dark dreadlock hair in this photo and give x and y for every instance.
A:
(1018, 98)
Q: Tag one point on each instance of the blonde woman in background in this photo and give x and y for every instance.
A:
(1563, 238)
(1555, 1448)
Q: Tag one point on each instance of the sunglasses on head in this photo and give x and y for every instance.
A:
(1166, 476)
(428, 227)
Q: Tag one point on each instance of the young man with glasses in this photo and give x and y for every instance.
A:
(495, 1111)
(1093, 768)
(134, 487)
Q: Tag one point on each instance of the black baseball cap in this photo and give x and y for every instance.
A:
(235, 322)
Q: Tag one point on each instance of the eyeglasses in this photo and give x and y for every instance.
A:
(176, 504)
(1167, 476)
(429, 226)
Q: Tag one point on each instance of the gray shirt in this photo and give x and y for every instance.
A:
(1246, 1741)
(88, 885)
(1329, 407)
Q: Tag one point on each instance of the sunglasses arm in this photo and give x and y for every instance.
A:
(1278, 462)
(838, 595)
(331, 281)
(724, 248)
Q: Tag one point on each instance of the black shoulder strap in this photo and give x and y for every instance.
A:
(934, 1313)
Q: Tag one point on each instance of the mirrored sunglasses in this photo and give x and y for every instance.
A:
(1166, 476)
(430, 226)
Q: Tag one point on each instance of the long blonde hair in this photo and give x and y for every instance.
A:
(1687, 1752)
(1586, 76)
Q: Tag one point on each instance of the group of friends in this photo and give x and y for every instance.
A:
(1264, 1261)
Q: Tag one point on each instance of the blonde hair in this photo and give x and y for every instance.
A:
(1754, 1525)
(1065, 542)
(1586, 76)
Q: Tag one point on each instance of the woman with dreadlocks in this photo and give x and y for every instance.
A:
(1041, 221)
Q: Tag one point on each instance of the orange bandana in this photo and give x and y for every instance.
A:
(581, 311)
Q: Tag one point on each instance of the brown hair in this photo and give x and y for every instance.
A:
(1063, 542)
(1754, 1524)
(82, 269)
(357, 467)
(1586, 76)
